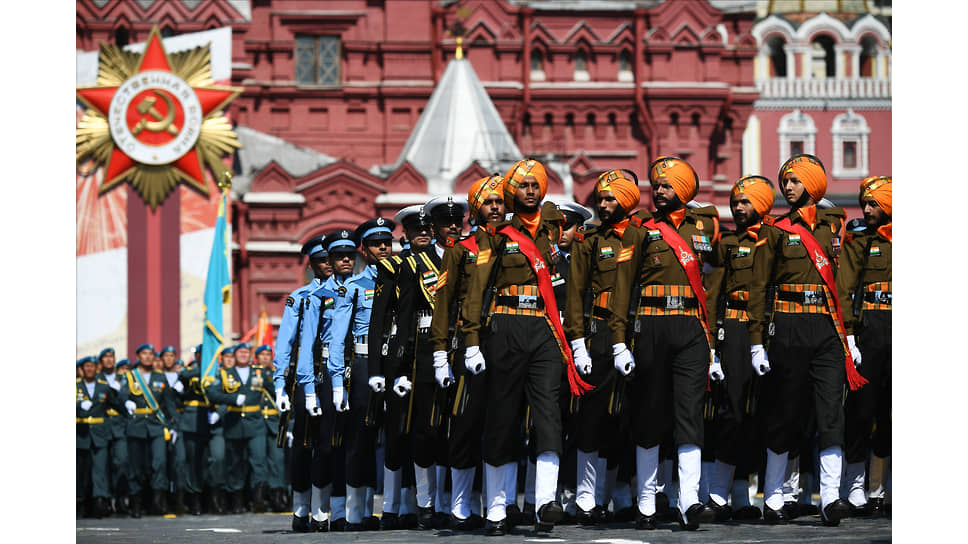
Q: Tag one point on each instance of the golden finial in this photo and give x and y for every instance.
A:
(460, 49)
(226, 181)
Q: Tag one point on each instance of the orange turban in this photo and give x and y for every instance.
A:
(522, 168)
(811, 173)
(878, 187)
(624, 184)
(482, 189)
(678, 173)
(758, 190)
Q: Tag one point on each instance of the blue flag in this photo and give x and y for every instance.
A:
(217, 292)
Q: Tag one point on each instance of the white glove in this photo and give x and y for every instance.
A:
(582, 361)
(130, 406)
(716, 369)
(115, 385)
(378, 384)
(174, 436)
(213, 418)
(624, 362)
(761, 364)
(854, 350)
(178, 386)
(312, 405)
(339, 400)
(474, 360)
(402, 386)
(289, 439)
(442, 372)
(282, 401)
(240, 400)
(86, 405)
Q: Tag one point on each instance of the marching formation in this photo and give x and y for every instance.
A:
(638, 370)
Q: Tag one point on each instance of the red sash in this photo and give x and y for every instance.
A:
(546, 290)
(688, 261)
(470, 243)
(822, 264)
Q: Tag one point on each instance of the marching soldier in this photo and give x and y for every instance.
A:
(384, 339)
(659, 289)
(350, 344)
(118, 442)
(807, 355)
(150, 402)
(241, 389)
(215, 471)
(729, 291)
(94, 397)
(594, 262)
(275, 457)
(175, 449)
(193, 426)
(864, 287)
(486, 203)
(523, 343)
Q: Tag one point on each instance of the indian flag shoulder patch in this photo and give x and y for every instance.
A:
(606, 252)
(512, 247)
(875, 251)
(328, 302)
(368, 294)
(742, 251)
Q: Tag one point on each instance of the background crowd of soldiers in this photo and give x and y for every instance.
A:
(638, 369)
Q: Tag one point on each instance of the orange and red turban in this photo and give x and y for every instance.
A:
(878, 187)
(623, 184)
(810, 171)
(678, 173)
(482, 189)
(521, 169)
(758, 190)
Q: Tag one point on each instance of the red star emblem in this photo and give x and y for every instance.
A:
(155, 120)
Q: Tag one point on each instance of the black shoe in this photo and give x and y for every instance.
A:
(100, 507)
(471, 523)
(549, 514)
(319, 526)
(695, 514)
(235, 501)
(834, 512)
(353, 527)
(440, 520)
(513, 516)
(258, 499)
(389, 522)
(587, 517)
(746, 513)
(644, 522)
(807, 509)
(496, 528)
(157, 503)
(425, 518)
(194, 504)
(662, 508)
(722, 512)
(865, 510)
(179, 499)
(371, 523)
(527, 513)
(278, 500)
(793, 509)
(337, 525)
(408, 521)
(219, 502)
(301, 524)
(772, 516)
(602, 514)
(121, 505)
(134, 505)
(877, 506)
(625, 515)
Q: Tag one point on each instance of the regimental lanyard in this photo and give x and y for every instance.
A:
(149, 396)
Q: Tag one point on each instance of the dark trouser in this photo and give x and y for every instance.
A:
(592, 421)
(671, 369)
(466, 415)
(176, 463)
(216, 458)
(426, 446)
(118, 453)
(275, 457)
(805, 384)
(194, 444)
(92, 473)
(524, 364)
(733, 430)
(311, 461)
(147, 468)
(868, 410)
(358, 440)
(246, 456)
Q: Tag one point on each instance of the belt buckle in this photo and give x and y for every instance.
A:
(813, 297)
(528, 302)
(883, 297)
(675, 303)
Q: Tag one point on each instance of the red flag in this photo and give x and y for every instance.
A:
(263, 333)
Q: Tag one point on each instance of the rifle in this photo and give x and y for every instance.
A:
(339, 418)
(290, 377)
(716, 391)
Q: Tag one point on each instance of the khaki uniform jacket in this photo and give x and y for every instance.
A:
(515, 268)
(741, 247)
(653, 262)
(877, 270)
(456, 267)
(794, 265)
(594, 265)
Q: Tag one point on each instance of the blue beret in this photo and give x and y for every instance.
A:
(145, 346)
(197, 349)
(88, 359)
(229, 349)
(263, 347)
(242, 345)
(315, 247)
(104, 352)
(180, 362)
(341, 240)
(168, 349)
(122, 362)
(375, 229)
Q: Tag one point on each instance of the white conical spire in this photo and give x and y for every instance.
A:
(458, 126)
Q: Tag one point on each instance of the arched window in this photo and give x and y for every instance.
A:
(167, 32)
(778, 64)
(798, 134)
(823, 64)
(625, 66)
(581, 66)
(537, 65)
(121, 36)
(850, 133)
(868, 56)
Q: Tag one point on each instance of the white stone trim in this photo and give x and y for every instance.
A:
(796, 125)
(272, 247)
(273, 198)
(859, 133)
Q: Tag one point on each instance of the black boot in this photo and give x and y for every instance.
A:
(194, 504)
(134, 505)
(121, 505)
(100, 507)
(548, 515)
(237, 502)
(157, 503)
(80, 509)
(179, 499)
(259, 499)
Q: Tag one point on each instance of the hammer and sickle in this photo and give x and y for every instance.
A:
(161, 122)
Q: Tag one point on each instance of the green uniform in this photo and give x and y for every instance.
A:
(93, 436)
(117, 421)
(275, 457)
(193, 428)
(146, 429)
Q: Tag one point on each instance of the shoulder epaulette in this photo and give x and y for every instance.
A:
(836, 211)
(706, 211)
(256, 366)
(78, 380)
(490, 229)
(769, 220)
(635, 221)
(579, 237)
(101, 380)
